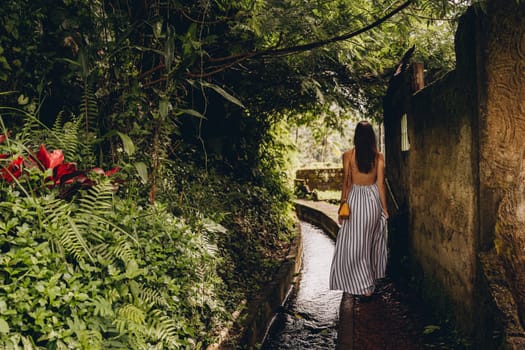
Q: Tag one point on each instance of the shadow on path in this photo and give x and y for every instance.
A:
(384, 322)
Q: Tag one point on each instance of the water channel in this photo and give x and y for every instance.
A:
(308, 319)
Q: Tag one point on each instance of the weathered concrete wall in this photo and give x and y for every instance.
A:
(443, 194)
(435, 185)
(326, 179)
(461, 186)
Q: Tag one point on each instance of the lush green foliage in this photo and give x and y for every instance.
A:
(254, 215)
(101, 271)
(105, 269)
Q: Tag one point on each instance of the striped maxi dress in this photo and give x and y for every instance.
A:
(360, 250)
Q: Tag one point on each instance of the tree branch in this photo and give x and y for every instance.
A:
(314, 45)
(296, 49)
(203, 22)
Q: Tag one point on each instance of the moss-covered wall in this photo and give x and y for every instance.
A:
(435, 182)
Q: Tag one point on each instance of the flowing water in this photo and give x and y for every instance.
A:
(308, 319)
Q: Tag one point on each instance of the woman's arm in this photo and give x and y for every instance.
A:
(347, 178)
(381, 182)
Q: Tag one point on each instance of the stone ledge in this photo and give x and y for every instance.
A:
(321, 214)
(254, 320)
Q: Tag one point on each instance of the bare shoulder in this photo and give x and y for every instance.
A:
(347, 153)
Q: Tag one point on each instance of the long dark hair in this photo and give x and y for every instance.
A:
(365, 146)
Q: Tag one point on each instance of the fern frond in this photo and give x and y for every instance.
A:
(162, 328)
(104, 253)
(95, 205)
(101, 220)
(32, 130)
(73, 240)
(63, 135)
(61, 226)
(59, 121)
(98, 200)
(129, 318)
(109, 253)
(70, 141)
(138, 342)
(90, 339)
(210, 247)
(112, 295)
(89, 110)
(103, 307)
(55, 209)
(123, 251)
(151, 296)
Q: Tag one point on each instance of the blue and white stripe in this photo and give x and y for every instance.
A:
(360, 255)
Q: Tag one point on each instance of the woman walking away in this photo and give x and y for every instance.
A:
(360, 251)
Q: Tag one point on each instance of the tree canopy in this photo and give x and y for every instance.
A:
(215, 73)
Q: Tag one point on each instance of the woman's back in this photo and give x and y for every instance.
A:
(359, 178)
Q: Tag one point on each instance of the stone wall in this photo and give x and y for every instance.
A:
(502, 146)
(435, 181)
(326, 179)
(443, 194)
(461, 186)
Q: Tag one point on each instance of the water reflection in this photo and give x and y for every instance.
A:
(308, 318)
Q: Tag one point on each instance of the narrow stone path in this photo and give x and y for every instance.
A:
(393, 319)
(385, 322)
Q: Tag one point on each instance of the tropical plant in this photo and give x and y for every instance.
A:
(97, 271)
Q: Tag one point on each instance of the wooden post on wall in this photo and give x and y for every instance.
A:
(417, 76)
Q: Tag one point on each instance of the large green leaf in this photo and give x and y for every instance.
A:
(4, 327)
(223, 93)
(142, 171)
(127, 143)
(192, 112)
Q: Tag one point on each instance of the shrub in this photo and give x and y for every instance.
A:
(97, 271)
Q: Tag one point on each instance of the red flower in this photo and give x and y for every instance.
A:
(3, 137)
(112, 171)
(109, 172)
(65, 173)
(13, 170)
(50, 160)
(3, 155)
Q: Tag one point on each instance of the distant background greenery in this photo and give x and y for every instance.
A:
(207, 121)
